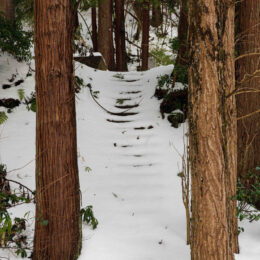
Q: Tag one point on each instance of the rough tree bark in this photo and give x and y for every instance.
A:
(247, 103)
(181, 60)
(145, 34)
(121, 59)
(105, 32)
(7, 7)
(57, 224)
(212, 129)
(94, 29)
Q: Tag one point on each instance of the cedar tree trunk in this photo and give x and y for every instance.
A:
(57, 223)
(145, 34)
(212, 126)
(180, 66)
(121, 61)
(157, 17)
(137, 7)
(7, 7)
(94, 29)
(105, 32)
(248, 90)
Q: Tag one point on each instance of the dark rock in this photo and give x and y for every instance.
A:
(160, 93)
(96, 62)
(175, 100)
(176, 118)
(9, 103)
(18, 82)
(6, 86)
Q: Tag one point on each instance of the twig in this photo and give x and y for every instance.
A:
(246, 55)
(17, 169)
(19, 184)
(151, 54)
(248, 115)
(86, 25)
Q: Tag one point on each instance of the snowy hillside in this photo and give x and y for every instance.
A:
(133, 156)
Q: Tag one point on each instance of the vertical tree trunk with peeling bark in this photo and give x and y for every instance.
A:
(212, 130)
(94, 29)
(57, 223)
(145, 34)
(248, 102)
(105, 32)
(7, 7)
(121, 59)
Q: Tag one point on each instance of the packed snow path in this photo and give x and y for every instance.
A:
(133, 184)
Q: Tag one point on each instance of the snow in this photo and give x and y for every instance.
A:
(96, 54)
(133, 183)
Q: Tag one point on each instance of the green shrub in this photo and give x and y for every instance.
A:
(88, 216)
(3, 117)
(164, 81)
(182, 73)
(248, 195)
(161, 57)
(12, 231)
(175, 44)
(14, 40)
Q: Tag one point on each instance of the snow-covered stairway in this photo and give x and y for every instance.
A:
(133, 185)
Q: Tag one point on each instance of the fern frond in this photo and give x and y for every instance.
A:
(3, 117)
(21, 94)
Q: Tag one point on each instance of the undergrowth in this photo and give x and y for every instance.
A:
(248, 194)
(174, 101)
(12, 230)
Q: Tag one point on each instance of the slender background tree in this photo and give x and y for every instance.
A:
(94, 28)
(181, 63)
(121, 58)
(145, 33)
(157, 16)
(105, 32)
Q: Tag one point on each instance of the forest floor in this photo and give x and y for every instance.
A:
(128, 160)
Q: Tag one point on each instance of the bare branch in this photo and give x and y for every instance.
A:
(248, 115)
(247, 55)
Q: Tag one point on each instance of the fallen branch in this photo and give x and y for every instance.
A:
(109, 112)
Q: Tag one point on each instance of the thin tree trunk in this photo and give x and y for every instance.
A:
(121, 61)
(212, 126)
(157, 17)
(181, 63)
(248, 127)
(94, 29)
(7, 7)
(105, 32)
(145, 34)
(57, 223)
(137, 7)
